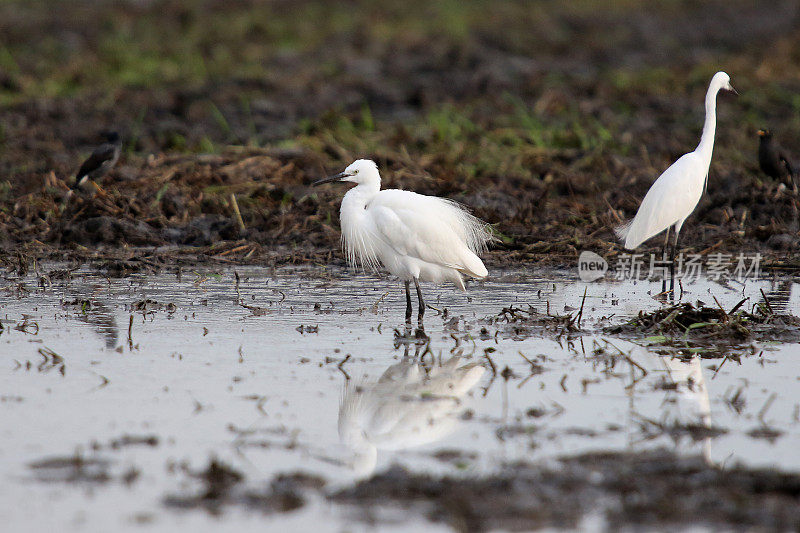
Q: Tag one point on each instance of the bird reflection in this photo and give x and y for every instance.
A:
(686, 410)
(101, 319)
(777, 298)
(692, 405)
(409, 405)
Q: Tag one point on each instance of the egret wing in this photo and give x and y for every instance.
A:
(471, 230)
(406, 235)
(432, 229)
(671, 199)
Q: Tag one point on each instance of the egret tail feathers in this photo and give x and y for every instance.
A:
(638, 231)
(623, 230)
(473, 266)
(475, 233)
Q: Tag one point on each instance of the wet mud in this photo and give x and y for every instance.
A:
(711, 331)
(598, 491)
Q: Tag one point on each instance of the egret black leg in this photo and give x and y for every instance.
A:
(664, 258)
(408, 302)
(421, 301)
(672, 265)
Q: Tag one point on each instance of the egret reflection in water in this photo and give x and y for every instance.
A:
(686, 408)
(778, 298)
(409, 405)
(99, 317)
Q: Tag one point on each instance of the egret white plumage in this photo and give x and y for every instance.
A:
(415, 237)
(676, 192)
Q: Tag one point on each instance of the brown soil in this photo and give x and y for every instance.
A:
(646, 490)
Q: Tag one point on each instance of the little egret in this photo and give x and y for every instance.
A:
(103, 159)
(415, 237)
(676, 192)
(773, 160)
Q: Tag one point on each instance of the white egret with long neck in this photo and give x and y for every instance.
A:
(676, 193)
(415, 237)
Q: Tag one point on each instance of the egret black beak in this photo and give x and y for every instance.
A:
(330, 179)
(731, 90)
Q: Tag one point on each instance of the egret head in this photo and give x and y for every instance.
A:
(723, 82)
(361, 171)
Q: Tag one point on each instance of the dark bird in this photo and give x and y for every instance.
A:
(100, 162)
(774, 161)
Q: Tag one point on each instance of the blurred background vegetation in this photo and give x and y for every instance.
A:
(506, 105)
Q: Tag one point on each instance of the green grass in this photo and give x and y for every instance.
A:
(85, 48)
(101, 47)
(462, 138)
(194, 42)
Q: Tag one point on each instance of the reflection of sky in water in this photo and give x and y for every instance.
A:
(215, 378)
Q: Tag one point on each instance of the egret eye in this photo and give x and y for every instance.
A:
(355, 172)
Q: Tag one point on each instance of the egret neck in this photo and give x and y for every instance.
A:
(706, 146)
(357, 198)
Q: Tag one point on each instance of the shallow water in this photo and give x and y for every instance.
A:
(262, 389)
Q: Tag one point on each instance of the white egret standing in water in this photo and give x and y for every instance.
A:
(676, 193)
(415, 237)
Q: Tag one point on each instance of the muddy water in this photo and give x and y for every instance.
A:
(106, 419)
